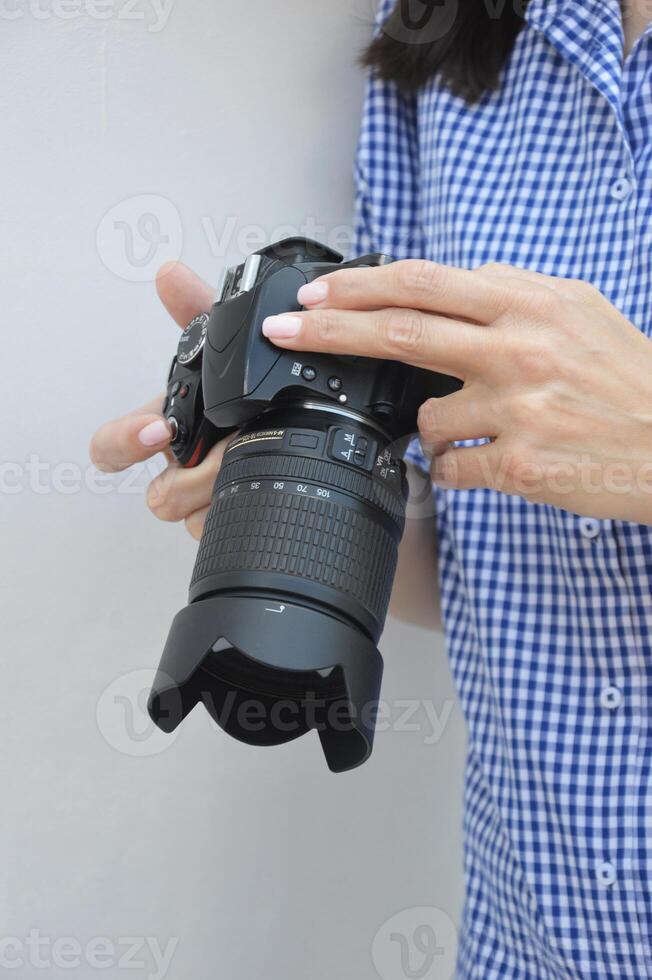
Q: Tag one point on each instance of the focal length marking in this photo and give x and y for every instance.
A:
(311, 491)
(283, 486)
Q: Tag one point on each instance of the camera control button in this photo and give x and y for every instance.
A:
(183, 391)
(308, 374)
(193, 339)
(343, 445)
(348, 446)
(174, 390)
(335, 384)
(179, 432)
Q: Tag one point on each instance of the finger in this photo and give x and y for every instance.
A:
(457, 417)
(132, 439)
(152, 407)
(468, 468)
(144, 432)
(183, 294)
(571, 289)
(195, 523)
(178, 492)
(411, 336)
(499, 270)
(413, 283)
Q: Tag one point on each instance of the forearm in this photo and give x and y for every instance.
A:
(415, 598)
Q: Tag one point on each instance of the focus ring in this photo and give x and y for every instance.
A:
(319, 471)
(307, 538)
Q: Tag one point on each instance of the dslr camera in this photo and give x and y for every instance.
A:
(294, 572)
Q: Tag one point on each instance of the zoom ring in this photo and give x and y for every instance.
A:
(306, 538)
(320, 471)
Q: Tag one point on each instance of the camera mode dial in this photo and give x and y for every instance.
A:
(193, 339)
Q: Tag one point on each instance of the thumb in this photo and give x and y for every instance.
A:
(183, 294)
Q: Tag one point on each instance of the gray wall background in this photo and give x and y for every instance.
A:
(212, 117)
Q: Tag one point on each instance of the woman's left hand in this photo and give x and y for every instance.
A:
(553, 374)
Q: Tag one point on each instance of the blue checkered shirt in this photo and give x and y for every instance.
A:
(548, 616)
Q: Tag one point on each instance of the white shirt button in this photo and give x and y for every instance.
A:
(611, 698)
(621, 189)
(589, 527)
(606, 874)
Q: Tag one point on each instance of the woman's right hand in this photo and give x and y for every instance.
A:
(177, 494)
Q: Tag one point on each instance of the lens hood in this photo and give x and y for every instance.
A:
(267, 676)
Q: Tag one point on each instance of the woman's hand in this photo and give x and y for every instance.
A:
(554, 375)
(177, 494)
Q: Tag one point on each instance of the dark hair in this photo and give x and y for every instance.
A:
(467, 50)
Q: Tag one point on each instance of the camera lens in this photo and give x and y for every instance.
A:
(297, 558)
(302, 511)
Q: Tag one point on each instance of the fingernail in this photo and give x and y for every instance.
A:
(154, 433)
(313, 292)
(282, 327)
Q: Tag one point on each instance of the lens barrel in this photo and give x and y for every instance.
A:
(291, 585)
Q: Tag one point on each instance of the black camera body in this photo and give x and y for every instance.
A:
(295, 568)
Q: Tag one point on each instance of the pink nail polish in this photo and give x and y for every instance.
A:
(312, 293)
(154, 433)
(282, 327)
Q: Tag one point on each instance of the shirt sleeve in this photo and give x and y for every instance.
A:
(387, 215)
(387, 170)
